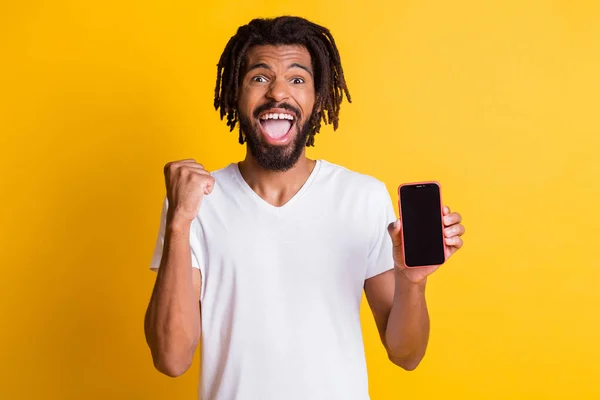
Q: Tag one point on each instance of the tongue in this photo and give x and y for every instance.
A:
(276, 128)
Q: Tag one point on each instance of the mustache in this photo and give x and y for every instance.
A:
(267, 106)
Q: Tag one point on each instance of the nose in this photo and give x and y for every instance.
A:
(278, 90)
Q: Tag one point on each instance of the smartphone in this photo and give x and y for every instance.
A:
(420, 207)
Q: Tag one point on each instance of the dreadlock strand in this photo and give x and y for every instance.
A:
(221, 90)
(340, 81)
(238, 67)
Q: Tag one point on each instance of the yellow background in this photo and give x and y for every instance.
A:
(496, 100)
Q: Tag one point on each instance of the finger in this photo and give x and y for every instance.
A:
(174, 165)
(188, 170)
(395, 231)
(195, 167)
(454, 230)
(209, 183)
(187, 164)
(183, 163)
(192, 165)
(453, 218)
(204, 176)
(454, 241)
(209, 186)
(446, 210)
(200, 179)
(178, 163)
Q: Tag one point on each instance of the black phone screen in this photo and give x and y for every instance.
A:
(422, 224)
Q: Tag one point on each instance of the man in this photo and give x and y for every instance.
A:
(265, 260)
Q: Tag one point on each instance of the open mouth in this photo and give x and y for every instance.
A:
(276, 125)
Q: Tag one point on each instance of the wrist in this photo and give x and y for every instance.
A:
(178, 224)
(407, 284)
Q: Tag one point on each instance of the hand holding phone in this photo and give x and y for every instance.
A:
(420, 206)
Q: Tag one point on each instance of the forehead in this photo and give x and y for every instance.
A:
(282, 55)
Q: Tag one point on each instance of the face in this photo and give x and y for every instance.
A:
(277, 97)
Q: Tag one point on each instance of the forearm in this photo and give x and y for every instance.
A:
(172, 323)
(407, 330)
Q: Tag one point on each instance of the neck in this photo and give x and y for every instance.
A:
(276, 187)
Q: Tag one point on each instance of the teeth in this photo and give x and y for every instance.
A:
(277, 116)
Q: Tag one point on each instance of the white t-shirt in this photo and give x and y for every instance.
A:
(282, 286)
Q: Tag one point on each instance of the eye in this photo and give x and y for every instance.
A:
(259, 79)
(297, 81)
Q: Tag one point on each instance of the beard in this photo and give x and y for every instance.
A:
(272, 157)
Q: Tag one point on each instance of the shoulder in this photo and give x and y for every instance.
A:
(225, 172)
(364, 196)
(346, 179)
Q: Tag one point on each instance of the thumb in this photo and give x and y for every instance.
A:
(395, 231)
(209, 186)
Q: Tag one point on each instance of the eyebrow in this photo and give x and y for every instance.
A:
(265, 66)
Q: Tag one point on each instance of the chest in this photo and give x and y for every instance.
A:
(319, 248)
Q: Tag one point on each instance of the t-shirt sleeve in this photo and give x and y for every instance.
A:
(195, 242)
(380, 258)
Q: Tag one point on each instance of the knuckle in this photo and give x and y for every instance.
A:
(172, 166)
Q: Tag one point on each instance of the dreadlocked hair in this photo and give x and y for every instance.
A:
(330, 85)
